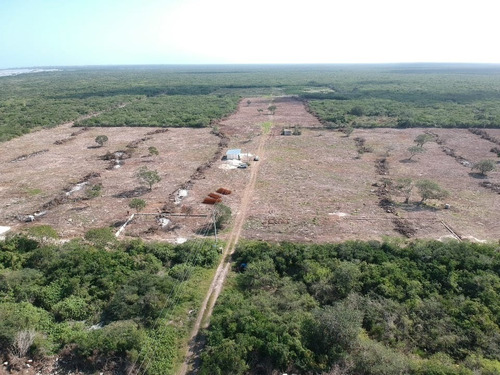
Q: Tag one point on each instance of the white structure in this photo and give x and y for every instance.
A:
(233, 154)
(3, 232)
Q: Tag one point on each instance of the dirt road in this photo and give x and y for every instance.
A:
(196, 342)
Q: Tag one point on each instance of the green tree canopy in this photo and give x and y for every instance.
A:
(430, 190)
(414, 150)
(101, 140)
(485, 166)
(149, 177)
(421, 139)
(137, 204)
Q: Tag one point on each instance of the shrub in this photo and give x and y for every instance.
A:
(137, 204)
(100, 237)
(222, 215)
(117, 338)
(153, 151)
(181, 271)
(225, 359)
(374, 358)
(430, 190)
(484, 166)
(17, 317)
(101, 140)
(42, 231)
(71, 308)
(336, 328)
(440, 364)
(22, 342)
(94, 191)
(356, 111)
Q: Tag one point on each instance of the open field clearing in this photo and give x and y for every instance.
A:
(243, 129)
(312, 187)
(315, 187)
(52, 179)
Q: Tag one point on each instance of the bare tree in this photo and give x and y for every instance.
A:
(404, 187)
(22, 342)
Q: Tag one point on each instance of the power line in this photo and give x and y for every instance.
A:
(173, 297)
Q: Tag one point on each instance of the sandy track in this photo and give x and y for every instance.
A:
(192, 361)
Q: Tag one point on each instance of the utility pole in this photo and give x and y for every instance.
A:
(215, 226)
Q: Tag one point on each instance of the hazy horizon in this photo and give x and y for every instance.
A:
(256, 65)
(58, 33)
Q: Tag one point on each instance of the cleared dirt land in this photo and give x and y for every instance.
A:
(315, 187)
(43, 181)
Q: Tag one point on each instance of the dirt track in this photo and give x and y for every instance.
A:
(192, 360)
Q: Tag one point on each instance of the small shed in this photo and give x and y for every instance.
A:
(233, 154)
(287, 132)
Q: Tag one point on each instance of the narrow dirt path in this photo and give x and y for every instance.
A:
(196, 342)
(69, 124)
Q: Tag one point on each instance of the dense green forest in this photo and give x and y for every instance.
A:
(424, 307)
(168, 111)
(406, 95)
(99, 303)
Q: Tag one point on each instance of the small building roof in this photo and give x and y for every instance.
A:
(234, 151)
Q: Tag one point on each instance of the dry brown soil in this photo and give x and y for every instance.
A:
(305, 185)
(26, 186)
(309, 181)
(316, 188)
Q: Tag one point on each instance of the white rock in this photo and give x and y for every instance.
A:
(163, 222)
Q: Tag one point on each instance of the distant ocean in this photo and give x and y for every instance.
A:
(15, 72)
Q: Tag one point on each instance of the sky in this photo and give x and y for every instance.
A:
(36, 33)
